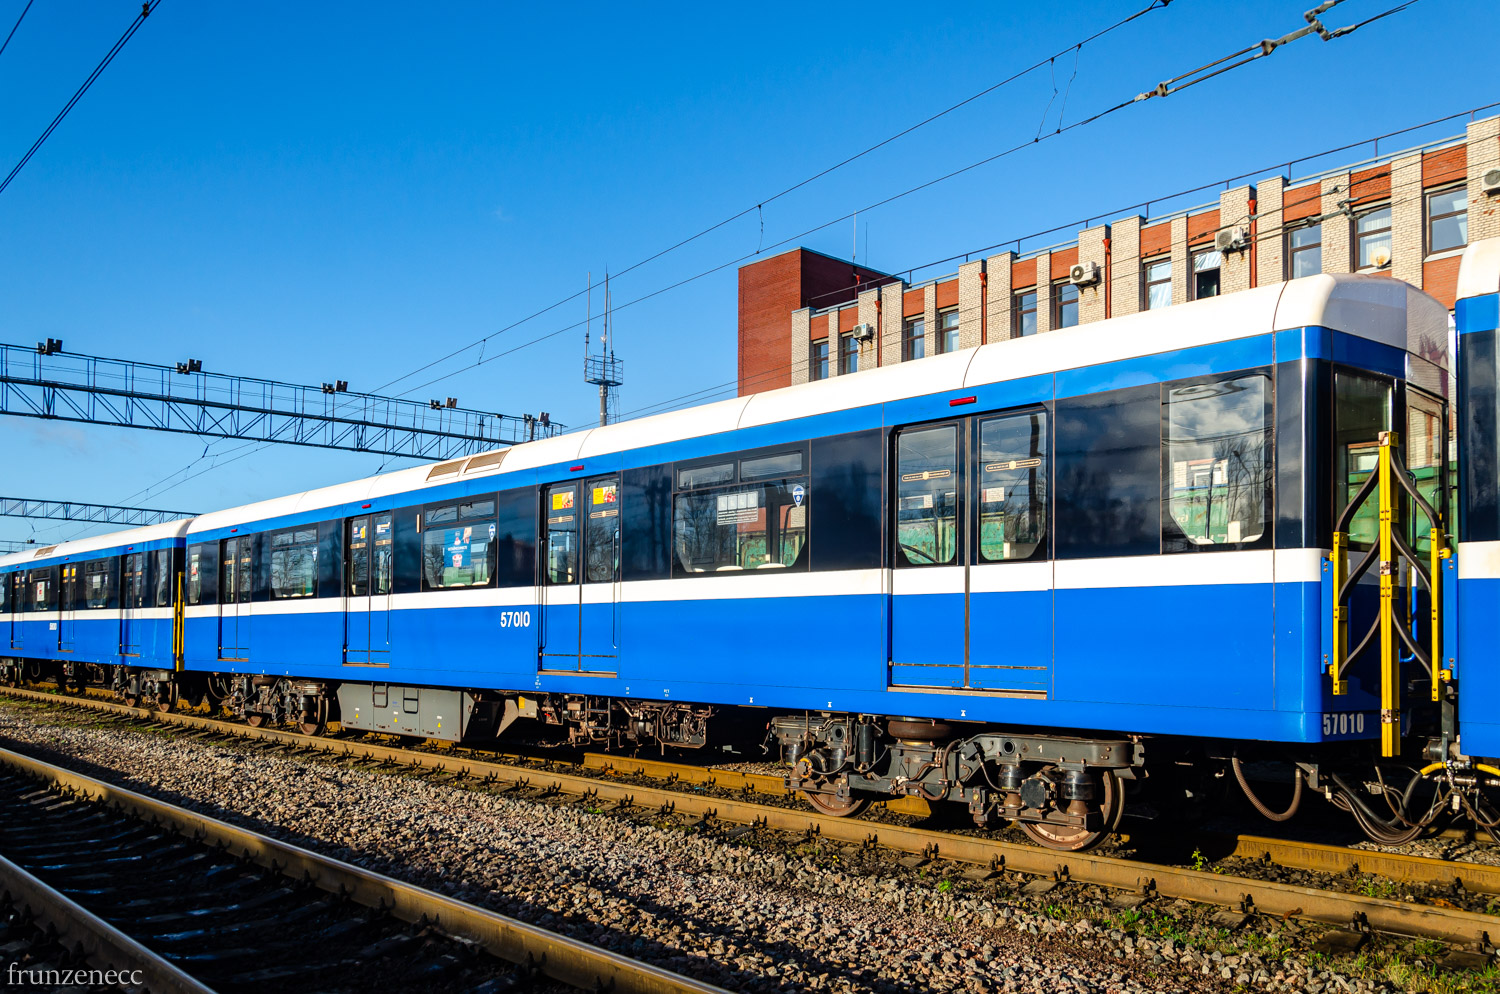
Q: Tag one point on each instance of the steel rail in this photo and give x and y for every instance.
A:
(1150, 879)
(104, 947)
(565, 960)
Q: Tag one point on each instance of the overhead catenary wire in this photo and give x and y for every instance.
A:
(140, 18)
(759, 207)
(1167, 88)
(6, 43)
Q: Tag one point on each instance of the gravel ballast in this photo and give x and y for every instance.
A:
(747, 914)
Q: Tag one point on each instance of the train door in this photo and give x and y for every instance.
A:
(561, 595)
(599, 616)
(70, 593)
(16, 601)
(235, 558)
(971, 585)
(367, 590)
(132, 602)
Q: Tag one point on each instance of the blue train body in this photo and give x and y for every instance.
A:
(1108, 534)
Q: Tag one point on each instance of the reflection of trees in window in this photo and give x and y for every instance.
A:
(746, 527)
(96, 583)
(294, 563)
(926, 497)
(1217, 437)
(1012, 486)
(458, 545)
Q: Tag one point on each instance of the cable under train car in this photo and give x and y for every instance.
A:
(1031, 578)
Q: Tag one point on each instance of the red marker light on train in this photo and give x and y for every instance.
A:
(363, 506)
(574, 469)
(960, 401)
(233, 530)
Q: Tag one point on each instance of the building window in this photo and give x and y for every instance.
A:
(1447, 220)
(819, 365)
(1206, 267)
(947, 339)
(913, 339)
(1064, 305)
(1372, 232)
(1158, 283)
(1025, 314)
(848, 354)
(1305, 247)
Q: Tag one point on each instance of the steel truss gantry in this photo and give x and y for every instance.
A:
(46, 382)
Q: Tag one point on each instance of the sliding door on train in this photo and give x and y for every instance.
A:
(68, 596)
(971, 605)
(580, 592)
(132, 601)
(367, 590)
(11, 626)
(236, 556)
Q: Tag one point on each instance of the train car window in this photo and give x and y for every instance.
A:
(331, 557)
(458, 545)
(847, 478)
(561, 510)
(705, 476)
(927, 496)
(133, 580)
(750, 526)
(235, 561)
(5, 605)
(201, 579)
(1361, 411)
(782, 464)
(359, 557)
(43, 584)
(646, 523)
(407, 524)
(1012, 483)
(1216, 462)
(601, 531)
(515, 538)
(294, 563)
(161, 574)
(1107, 474)
(1424, 453)
(99, 584)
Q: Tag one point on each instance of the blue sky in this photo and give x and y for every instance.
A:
(348, 191)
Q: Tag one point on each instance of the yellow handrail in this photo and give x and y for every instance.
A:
(1390, 659)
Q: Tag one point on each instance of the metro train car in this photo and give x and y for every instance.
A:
(1032, 578)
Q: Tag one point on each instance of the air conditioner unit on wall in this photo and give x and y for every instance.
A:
(1490, 182)
(863, 332)
(1232, 239)
(1084, 274)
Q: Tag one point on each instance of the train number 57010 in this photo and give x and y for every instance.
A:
(1344, 723)
(515, 619)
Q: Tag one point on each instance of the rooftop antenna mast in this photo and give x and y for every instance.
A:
(604, 370)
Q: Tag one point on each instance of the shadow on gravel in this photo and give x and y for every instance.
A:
(786, 953)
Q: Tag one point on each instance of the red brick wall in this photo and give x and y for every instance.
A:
(1063, 262)
(1302, 201)
(1023, 274)
(1370, 185)
(770, 290)
(1202, 227)
(913, 303)
(1447, 166)
(1440, 278)
(1156, 240)
(946, 294)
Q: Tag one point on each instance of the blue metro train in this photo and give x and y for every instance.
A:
(1018, 577)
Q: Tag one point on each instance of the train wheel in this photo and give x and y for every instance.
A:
(319, 724)
(836, 807)
(255, 719)
(1111, 806)
(130, 700)
(166, 698)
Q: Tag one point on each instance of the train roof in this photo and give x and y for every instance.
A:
(1479, 272)
(109, 540)
(1377, 308)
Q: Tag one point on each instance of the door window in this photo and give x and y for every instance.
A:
(927, 497)
(562, 533)
(358, 582)
(234, 586)
(602, 531)
(1012, 479)
(1425, 455)
(1362, 410)
(133, 580)
(383, 561)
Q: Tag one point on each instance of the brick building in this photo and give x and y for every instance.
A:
(807, 316)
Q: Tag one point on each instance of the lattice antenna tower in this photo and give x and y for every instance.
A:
(603, 370)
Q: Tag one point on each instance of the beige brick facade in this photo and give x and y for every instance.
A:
(985, 289)
(972, 280)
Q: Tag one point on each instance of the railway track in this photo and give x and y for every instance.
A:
(597, 781)
(180, 902)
